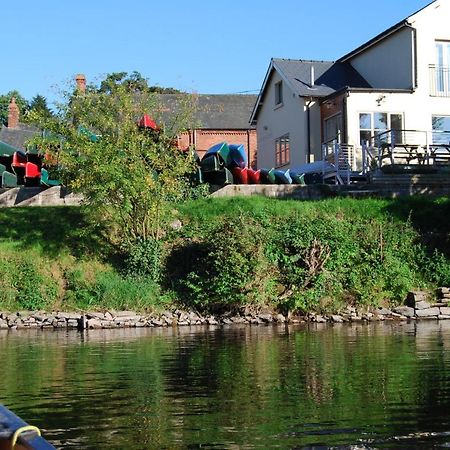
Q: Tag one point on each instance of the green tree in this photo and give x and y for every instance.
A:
(129, 176)
(134, 82)
(5, 100)
(39, 104)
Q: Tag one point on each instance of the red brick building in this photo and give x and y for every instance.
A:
(217, 118)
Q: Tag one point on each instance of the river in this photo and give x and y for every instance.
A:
(376, 386)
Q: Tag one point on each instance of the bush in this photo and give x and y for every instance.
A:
(231, 269)
(145, 259)
(356, 260)
(25, 284)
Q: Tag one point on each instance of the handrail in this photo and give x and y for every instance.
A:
(423, 144)
(439, 80)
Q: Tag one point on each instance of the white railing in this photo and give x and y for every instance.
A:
(341, 157)
(439, 81)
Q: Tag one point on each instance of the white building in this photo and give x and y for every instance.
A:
(399, 80)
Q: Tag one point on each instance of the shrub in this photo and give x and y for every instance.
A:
(232, 268)
(24, 283)
(145, 259)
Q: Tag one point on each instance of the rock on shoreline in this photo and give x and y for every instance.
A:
(131, 319)
(418, 307)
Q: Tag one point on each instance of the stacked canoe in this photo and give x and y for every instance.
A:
(228, 164)
(22, 168)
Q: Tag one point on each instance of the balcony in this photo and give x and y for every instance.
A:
(439, 81)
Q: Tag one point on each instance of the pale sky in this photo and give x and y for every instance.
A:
(201, 46)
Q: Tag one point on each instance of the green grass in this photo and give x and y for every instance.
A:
(55, 258)
(232, 251)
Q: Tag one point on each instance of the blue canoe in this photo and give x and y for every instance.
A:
(15, 433)
(222, 150)
(297, 178)
(282, 176)
(238, 156)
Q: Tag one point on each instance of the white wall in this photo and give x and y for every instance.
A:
(316, 132)
(388, 64)
(275, 121)
(431, 24)
(416, 110)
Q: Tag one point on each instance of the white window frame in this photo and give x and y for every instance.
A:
(372, 122)
(442, 74)
(440, 136)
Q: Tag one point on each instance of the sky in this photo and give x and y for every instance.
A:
(196, 46)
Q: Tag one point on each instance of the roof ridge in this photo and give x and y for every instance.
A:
(304, 60)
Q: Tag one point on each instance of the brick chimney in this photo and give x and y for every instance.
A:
(81, 83)
(13, 114)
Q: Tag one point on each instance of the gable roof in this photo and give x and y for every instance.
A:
(329, 77)
(384, 34)
(213, 111)
(18, 136)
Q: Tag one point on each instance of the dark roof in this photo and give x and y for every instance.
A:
(329, 76)
(211, 111)
(18, 136)
(398, 26)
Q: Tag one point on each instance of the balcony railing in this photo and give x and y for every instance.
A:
(406, 147)
(439, 81)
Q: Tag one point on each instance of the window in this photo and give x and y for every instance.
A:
(441, 129)
(333, 128)
(442, 66)
(278, 93)
(282, 151)
(374, 124)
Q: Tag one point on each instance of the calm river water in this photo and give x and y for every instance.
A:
(367, 386)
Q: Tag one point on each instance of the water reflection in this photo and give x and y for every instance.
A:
(242, 387)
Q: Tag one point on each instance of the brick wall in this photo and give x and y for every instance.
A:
(202, 140)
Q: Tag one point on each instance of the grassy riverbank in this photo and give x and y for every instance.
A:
(232, 252)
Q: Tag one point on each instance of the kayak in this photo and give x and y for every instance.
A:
(15, 433)
(238, 156)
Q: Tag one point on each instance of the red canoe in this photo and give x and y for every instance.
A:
(240, 175)
(254, 176)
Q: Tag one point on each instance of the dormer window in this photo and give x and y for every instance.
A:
(278, 93)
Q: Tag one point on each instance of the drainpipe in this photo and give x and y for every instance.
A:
(344, 118)
(308, 126)
(248, 149)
